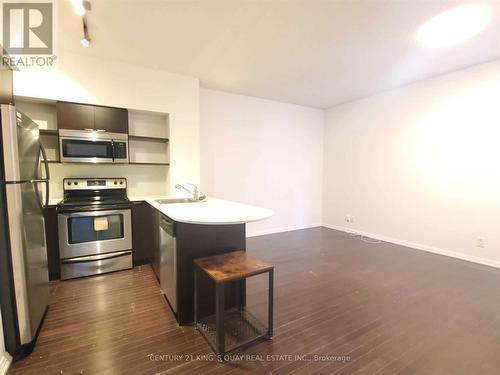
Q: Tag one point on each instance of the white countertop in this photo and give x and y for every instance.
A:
(211, 211)
(54, 201)
(139, 198)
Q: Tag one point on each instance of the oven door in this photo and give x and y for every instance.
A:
(86, 150)
(93, 233)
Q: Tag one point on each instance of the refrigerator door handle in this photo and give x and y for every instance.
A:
(44, 180)
(45, 162)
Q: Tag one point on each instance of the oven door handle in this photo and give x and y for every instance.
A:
(122, 211)
(94, 258)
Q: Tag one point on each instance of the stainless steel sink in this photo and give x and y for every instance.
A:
(179, 200)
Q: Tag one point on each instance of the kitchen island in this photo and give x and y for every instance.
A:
(197, 229)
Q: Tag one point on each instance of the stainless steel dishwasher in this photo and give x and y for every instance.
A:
(168, 260)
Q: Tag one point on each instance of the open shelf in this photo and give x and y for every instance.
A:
(141, 163)
(147, 139)
(41, 111)
(51, 144)
(148, 124)
(49, 132)
(146, 152)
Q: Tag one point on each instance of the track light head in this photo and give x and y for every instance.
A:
(85, 42)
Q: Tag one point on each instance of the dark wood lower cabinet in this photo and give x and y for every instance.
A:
(144, 233)
(52, 238)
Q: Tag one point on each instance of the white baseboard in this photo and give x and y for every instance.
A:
(5, 360)
(282, 229)
(417, 246)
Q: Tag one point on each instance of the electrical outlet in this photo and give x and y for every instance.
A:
(349, 219)
(480, 243)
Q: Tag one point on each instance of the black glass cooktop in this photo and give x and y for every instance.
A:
(78, 201)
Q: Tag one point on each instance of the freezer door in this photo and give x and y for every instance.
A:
(21, 141)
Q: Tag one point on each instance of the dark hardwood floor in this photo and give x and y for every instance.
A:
(372, 308)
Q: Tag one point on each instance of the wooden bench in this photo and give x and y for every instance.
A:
(236, 327)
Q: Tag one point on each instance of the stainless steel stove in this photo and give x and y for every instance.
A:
(95, 227)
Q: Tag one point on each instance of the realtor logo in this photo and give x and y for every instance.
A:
(28, 28)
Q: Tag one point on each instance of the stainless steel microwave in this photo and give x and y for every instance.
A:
(91, 146)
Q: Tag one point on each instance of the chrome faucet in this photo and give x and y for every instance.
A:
(194, 192)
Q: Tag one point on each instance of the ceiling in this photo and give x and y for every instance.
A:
(316, 53)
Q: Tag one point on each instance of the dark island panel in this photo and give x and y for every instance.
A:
(196, 241)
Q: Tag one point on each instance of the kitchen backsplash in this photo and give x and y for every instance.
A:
(143, 180)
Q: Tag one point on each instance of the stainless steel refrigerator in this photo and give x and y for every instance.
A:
(24, 191)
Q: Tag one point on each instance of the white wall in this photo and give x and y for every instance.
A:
(420, 165)
(96, 81)
(263, 153)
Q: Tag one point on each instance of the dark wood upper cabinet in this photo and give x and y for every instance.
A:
(77, 116)
(114, 120)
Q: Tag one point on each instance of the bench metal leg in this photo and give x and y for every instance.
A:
(219, 316)
(242, 294)
(195, 296)
(270, 305)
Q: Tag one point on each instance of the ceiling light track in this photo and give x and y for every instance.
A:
(86, 38)
(81, 8)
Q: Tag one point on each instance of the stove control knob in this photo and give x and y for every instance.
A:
(75, 183)
(121, 182)
(116, 182)
(69, 182)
